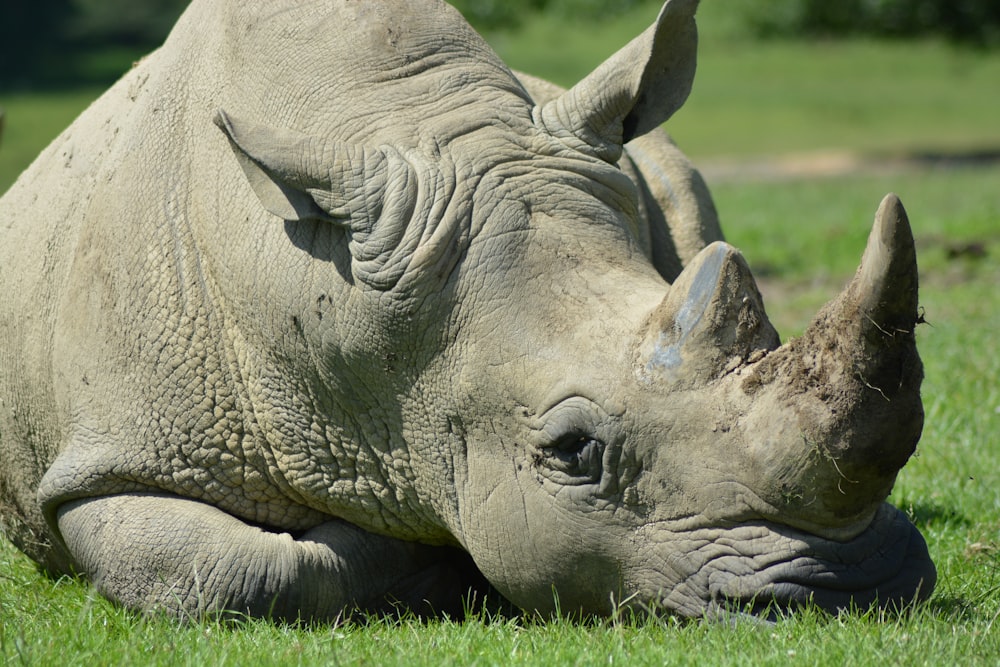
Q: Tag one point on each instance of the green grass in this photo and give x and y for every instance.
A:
(803, 238)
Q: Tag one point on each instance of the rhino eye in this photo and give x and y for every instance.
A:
(573, 459)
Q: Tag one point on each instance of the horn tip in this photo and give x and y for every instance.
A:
(893, 226)
(891, 221)
(890, 260)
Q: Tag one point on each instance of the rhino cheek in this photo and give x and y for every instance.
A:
(533, 549)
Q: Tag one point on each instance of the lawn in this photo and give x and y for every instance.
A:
(803, 237)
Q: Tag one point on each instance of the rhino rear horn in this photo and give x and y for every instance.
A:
(632, 92)
(712, 317)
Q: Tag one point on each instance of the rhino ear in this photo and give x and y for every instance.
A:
(300, 177)
(632, 92)
(372, 192)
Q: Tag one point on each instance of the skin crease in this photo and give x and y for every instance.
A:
(395, 324)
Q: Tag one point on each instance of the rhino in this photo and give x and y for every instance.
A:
(322, 309)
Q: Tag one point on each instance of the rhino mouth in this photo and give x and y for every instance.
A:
(886, 566)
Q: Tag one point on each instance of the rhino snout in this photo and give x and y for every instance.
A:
(765, 567)
(887, 565)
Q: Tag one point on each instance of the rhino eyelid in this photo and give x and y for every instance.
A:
(574, 442)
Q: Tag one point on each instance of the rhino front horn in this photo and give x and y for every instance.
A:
(854, 379)
(872, 321)
(883, 295)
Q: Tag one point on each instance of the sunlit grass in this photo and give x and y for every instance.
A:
(32, 121)
(70, 626)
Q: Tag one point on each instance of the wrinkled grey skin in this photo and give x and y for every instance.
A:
(319, 309)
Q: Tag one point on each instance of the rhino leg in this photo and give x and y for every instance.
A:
(161, 552)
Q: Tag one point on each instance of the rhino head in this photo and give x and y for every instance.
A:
(657, 446)
(699, 463)
(582, 427)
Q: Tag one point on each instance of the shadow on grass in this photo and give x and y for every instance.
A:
(954, 608)
(924, 514)
(937, 159)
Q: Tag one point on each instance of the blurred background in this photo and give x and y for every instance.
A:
(58, 42)
(887, 78)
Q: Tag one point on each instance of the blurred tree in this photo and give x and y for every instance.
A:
(975, 22)
(493, 14)
(29, 31)
(496, 13)
(41, 40)
(123, 22)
